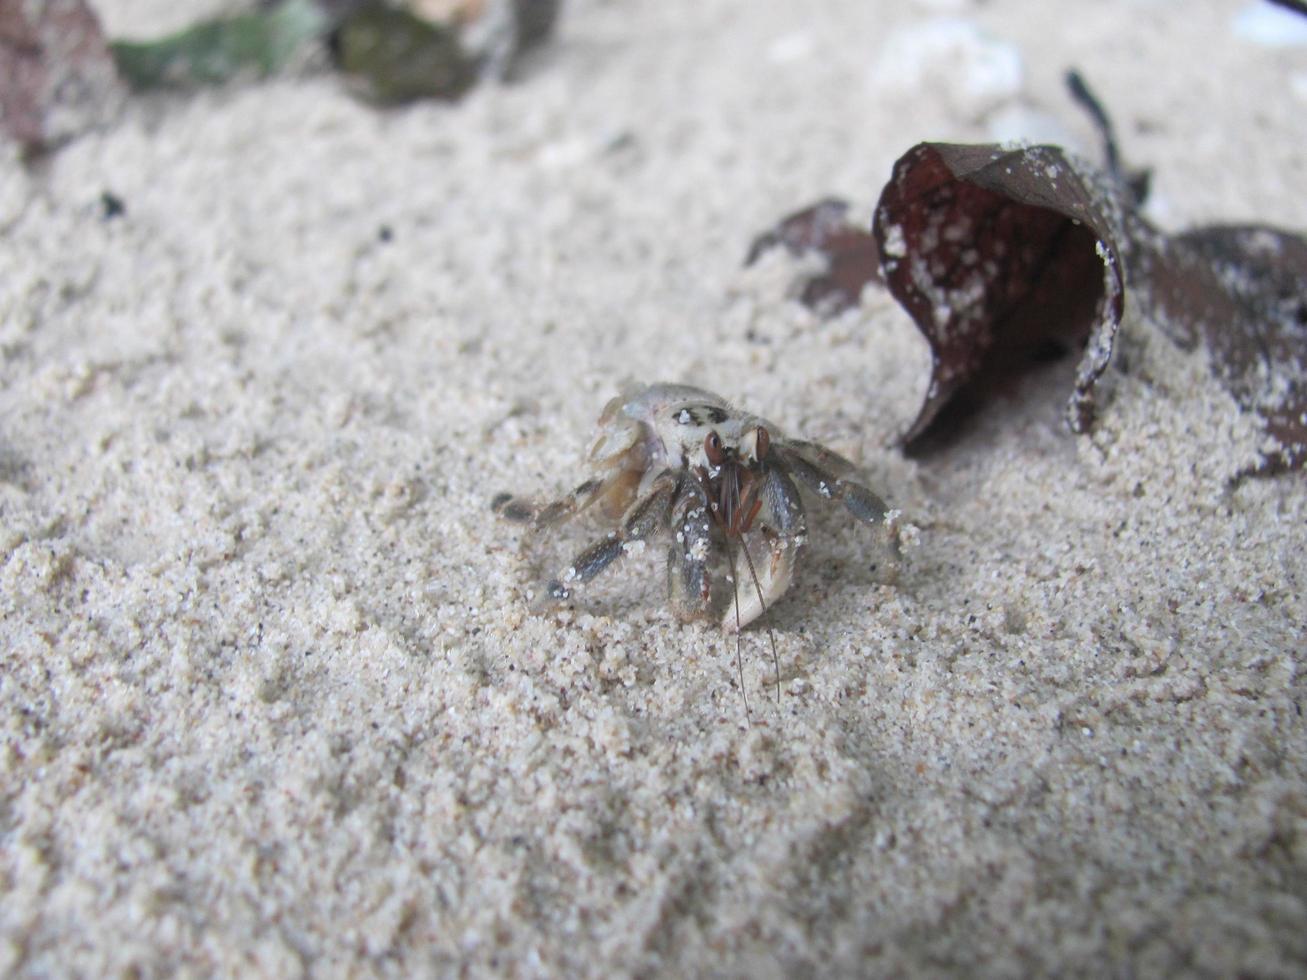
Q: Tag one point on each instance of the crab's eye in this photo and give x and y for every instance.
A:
(712, 448)
(761, 443)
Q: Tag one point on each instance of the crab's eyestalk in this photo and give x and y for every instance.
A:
(713, 449)
(756, 444)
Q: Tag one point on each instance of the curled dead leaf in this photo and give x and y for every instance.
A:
(996, 253)
(1000, 254)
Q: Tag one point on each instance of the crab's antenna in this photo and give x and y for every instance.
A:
(739, 661)
(771, 637)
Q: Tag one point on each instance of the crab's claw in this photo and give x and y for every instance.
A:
(763, 560)
(758, 580)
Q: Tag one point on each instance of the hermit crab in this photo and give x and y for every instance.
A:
(723, 486)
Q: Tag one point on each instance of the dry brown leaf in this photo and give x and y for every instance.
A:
(57, 78)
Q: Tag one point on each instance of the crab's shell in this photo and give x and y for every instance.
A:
(663, 426)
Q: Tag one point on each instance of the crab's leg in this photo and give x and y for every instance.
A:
(614, 491)
(688, 588)
(641, 519)
(818, 455)
(781, 518)
(862, 503)
(526, 512)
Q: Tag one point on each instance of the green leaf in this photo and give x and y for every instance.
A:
(212, 52)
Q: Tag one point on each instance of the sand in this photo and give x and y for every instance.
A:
(278, 698)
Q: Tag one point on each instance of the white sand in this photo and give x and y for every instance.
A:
(272, 695)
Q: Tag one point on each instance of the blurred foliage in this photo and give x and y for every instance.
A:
(262, 42)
